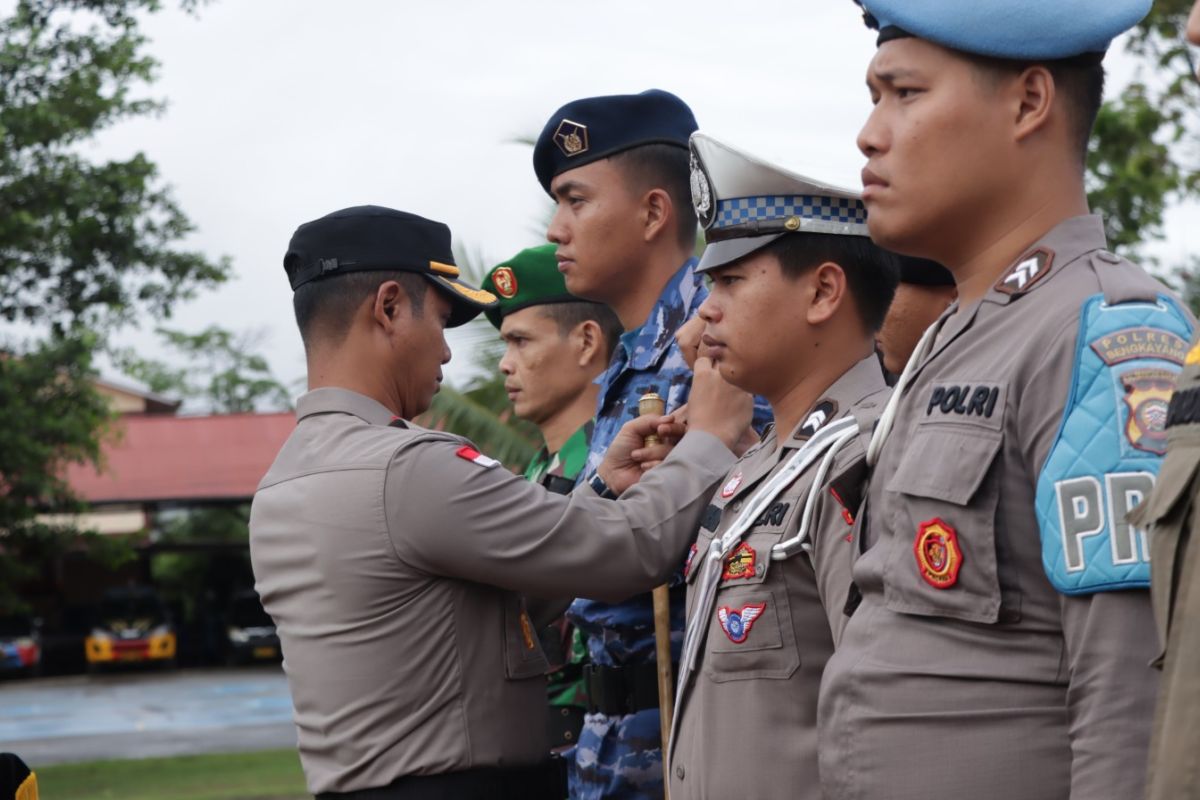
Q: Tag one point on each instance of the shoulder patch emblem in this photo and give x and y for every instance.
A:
(505, 281)
(737, 622)
(571, 138)
(474, 456)
(1193, 356)
(817, 419)
(1148, 398)
(731, 485)
(740, 563)
(1141, 342)
(1031, 268)
(938, 555)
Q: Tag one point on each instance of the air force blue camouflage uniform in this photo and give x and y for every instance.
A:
(621, 756)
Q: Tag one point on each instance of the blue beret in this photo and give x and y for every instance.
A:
(1013, 29)
(593, 128)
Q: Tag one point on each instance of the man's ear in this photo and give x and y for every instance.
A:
(827, 289)
(589, 342)
(1034, 93)
(658, 214)
(389, 304)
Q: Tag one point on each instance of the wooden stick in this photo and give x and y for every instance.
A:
(666, 679)
(651, 404)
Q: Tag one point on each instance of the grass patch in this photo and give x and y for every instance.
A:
(236, 776)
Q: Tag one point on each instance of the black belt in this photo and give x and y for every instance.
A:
(563, 725)
(617, 691)
(545, 781)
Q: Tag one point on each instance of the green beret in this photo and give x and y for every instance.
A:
(529, 278)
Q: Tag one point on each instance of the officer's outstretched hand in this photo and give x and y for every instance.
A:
(717, 406)
(628, 456)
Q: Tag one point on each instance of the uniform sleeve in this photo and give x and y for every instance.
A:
(1109, 635)
(451, 516)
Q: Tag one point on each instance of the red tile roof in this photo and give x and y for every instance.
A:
(162, 458)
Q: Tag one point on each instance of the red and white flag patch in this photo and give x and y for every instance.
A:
(476, 457)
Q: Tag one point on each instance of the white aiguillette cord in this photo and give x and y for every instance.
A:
(884, 427)
(830, 438)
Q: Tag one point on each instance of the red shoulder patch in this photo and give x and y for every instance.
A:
(474, 456)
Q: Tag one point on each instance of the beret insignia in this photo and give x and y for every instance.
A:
(505, 281)
(571, 138)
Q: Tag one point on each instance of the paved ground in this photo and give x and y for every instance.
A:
(142, 714)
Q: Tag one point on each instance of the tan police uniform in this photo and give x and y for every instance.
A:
(747, 723)
(391, 559)
(1170, 515)
(986, 660)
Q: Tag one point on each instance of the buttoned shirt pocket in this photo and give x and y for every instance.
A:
(523, 656)
(750, 634)
(943, 514)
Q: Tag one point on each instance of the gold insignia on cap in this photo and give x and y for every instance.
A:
(478, 295)
(505, 282)
(792, 223)
(445, 269)
(571, 138)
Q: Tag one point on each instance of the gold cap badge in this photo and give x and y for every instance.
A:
(571, 138)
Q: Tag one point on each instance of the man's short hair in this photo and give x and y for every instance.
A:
(325, 308)
(871, 272)
(1079, 83)
(666, 167)
(570, 315)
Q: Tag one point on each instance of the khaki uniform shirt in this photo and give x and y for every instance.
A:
(391, 559)
(747, 724)
(964, 672)
(1170, 513)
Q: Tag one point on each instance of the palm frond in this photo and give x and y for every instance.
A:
(498, 435)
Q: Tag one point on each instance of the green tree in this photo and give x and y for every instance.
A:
(83, 242)
(216, 369)
(52, 417)
(86, 246)
(1143, 152)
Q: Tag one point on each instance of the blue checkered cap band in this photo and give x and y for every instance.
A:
(815, 213)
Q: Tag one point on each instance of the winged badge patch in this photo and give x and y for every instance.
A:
(737, 622)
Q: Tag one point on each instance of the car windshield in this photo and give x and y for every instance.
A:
(15, 625)
(247, 612)
(129, 607)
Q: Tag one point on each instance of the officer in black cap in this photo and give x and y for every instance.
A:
(392, 557)
(925, 291)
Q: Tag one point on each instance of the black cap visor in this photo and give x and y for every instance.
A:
(466, 301)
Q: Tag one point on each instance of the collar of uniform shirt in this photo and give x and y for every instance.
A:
(1067, 240)
(658, 333)
(331, 399)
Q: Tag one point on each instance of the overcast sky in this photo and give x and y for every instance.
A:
(282, 111)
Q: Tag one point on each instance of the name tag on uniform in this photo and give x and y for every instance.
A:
(965, 401)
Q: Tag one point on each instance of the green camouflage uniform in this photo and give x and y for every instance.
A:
(565, 685)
